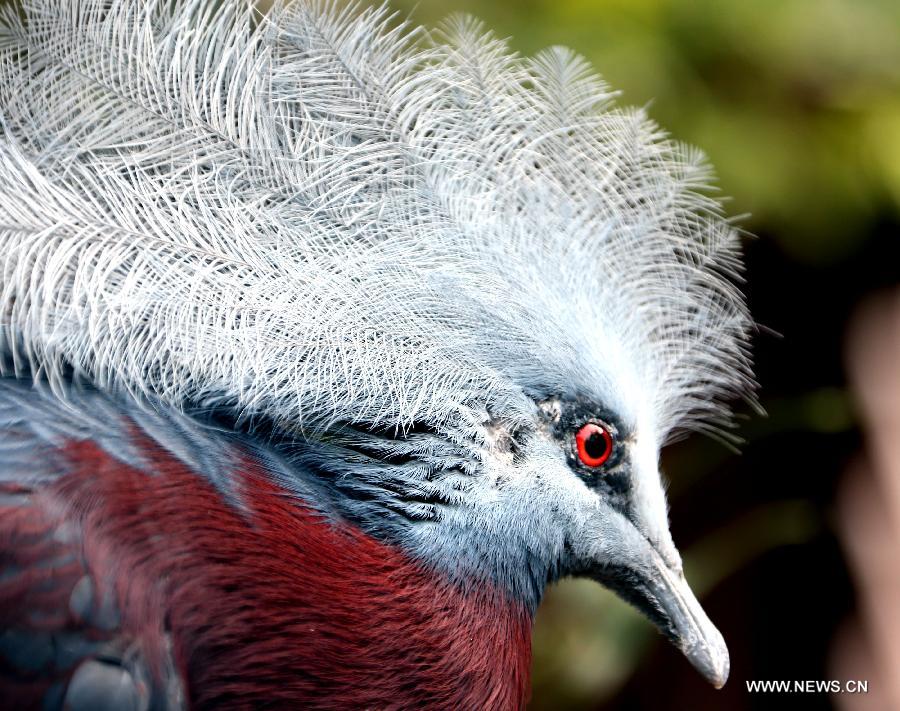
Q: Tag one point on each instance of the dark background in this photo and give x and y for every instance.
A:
(797, 104)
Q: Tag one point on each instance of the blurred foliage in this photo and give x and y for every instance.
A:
(797, 102)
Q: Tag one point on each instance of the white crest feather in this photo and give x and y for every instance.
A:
(325, 215)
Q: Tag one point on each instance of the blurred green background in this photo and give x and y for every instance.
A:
(797, 104)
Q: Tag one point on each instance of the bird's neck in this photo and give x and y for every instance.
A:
(273, 601)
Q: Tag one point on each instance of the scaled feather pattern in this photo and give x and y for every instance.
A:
(326, 215)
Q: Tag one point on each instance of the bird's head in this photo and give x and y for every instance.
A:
(472, 299)
(586, 481)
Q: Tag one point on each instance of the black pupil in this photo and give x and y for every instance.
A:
(595, 445)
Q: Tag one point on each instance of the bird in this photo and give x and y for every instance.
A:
(328, 342)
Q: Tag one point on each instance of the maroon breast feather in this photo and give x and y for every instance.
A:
(147, 585)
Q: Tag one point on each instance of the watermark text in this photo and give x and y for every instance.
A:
(807, 686)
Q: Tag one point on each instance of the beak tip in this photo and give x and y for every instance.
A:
(711, 659)
(718, 681)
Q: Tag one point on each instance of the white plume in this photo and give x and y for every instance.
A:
(324, 214)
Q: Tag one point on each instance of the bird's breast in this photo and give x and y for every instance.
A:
(256, 599)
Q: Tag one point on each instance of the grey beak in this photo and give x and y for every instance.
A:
(688, 626)
(636, 571)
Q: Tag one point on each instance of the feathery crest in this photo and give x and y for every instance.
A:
(325, 215)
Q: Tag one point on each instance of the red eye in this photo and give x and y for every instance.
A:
(594, 444)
